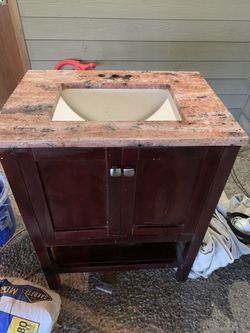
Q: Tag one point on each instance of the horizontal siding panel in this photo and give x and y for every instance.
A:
(210, 70)
(247, 109)
(234, 101)
(138, 51)
(144, 9)
(245, 123)
(140, 30)
(236, 113)
(227, 87)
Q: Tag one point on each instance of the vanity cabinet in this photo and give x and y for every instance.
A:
(104, 193)
(96, 209)
(116, 170)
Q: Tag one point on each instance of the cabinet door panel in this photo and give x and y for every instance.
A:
(68, 189)
(166, 180)
(75, 191)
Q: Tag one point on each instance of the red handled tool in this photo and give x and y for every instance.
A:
(75, 63)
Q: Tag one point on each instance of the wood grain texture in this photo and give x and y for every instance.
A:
(113, 158)
(166, 200)
(227, 158)
(24, 201)
(83, 199)
(209, 168)
(123, 29)
(14, 60)
(142, 9)
(18, 30)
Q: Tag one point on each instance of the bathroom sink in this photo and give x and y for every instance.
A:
(116, 105)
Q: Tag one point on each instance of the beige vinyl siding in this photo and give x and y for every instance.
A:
(134, 29)
(139, 9)
(212, 37)
(244, 118)
(140, 51)
(246, 111)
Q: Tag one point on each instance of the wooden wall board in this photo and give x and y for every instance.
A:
(13, 54)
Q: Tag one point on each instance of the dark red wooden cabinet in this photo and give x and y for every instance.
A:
(90, 209)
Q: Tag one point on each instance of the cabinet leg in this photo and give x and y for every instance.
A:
(52, 279)
(189, 256)
(227, 159)
(185, 265)
(182, 273)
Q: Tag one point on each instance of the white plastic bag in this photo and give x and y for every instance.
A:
(26, 307)
(220, 245)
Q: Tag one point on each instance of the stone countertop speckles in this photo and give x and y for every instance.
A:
(25, 120)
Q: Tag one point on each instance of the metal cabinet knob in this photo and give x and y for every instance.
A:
(115, 171)
(128, 172)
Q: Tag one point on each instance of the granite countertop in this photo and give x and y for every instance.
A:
(25, 120)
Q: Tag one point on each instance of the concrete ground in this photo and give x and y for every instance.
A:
(149, 301)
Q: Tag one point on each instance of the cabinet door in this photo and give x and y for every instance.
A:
(68, 189)
(168, 184)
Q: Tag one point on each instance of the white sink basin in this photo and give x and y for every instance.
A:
(116, 105)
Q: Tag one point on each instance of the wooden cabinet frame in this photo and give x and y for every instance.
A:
(118, 245)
